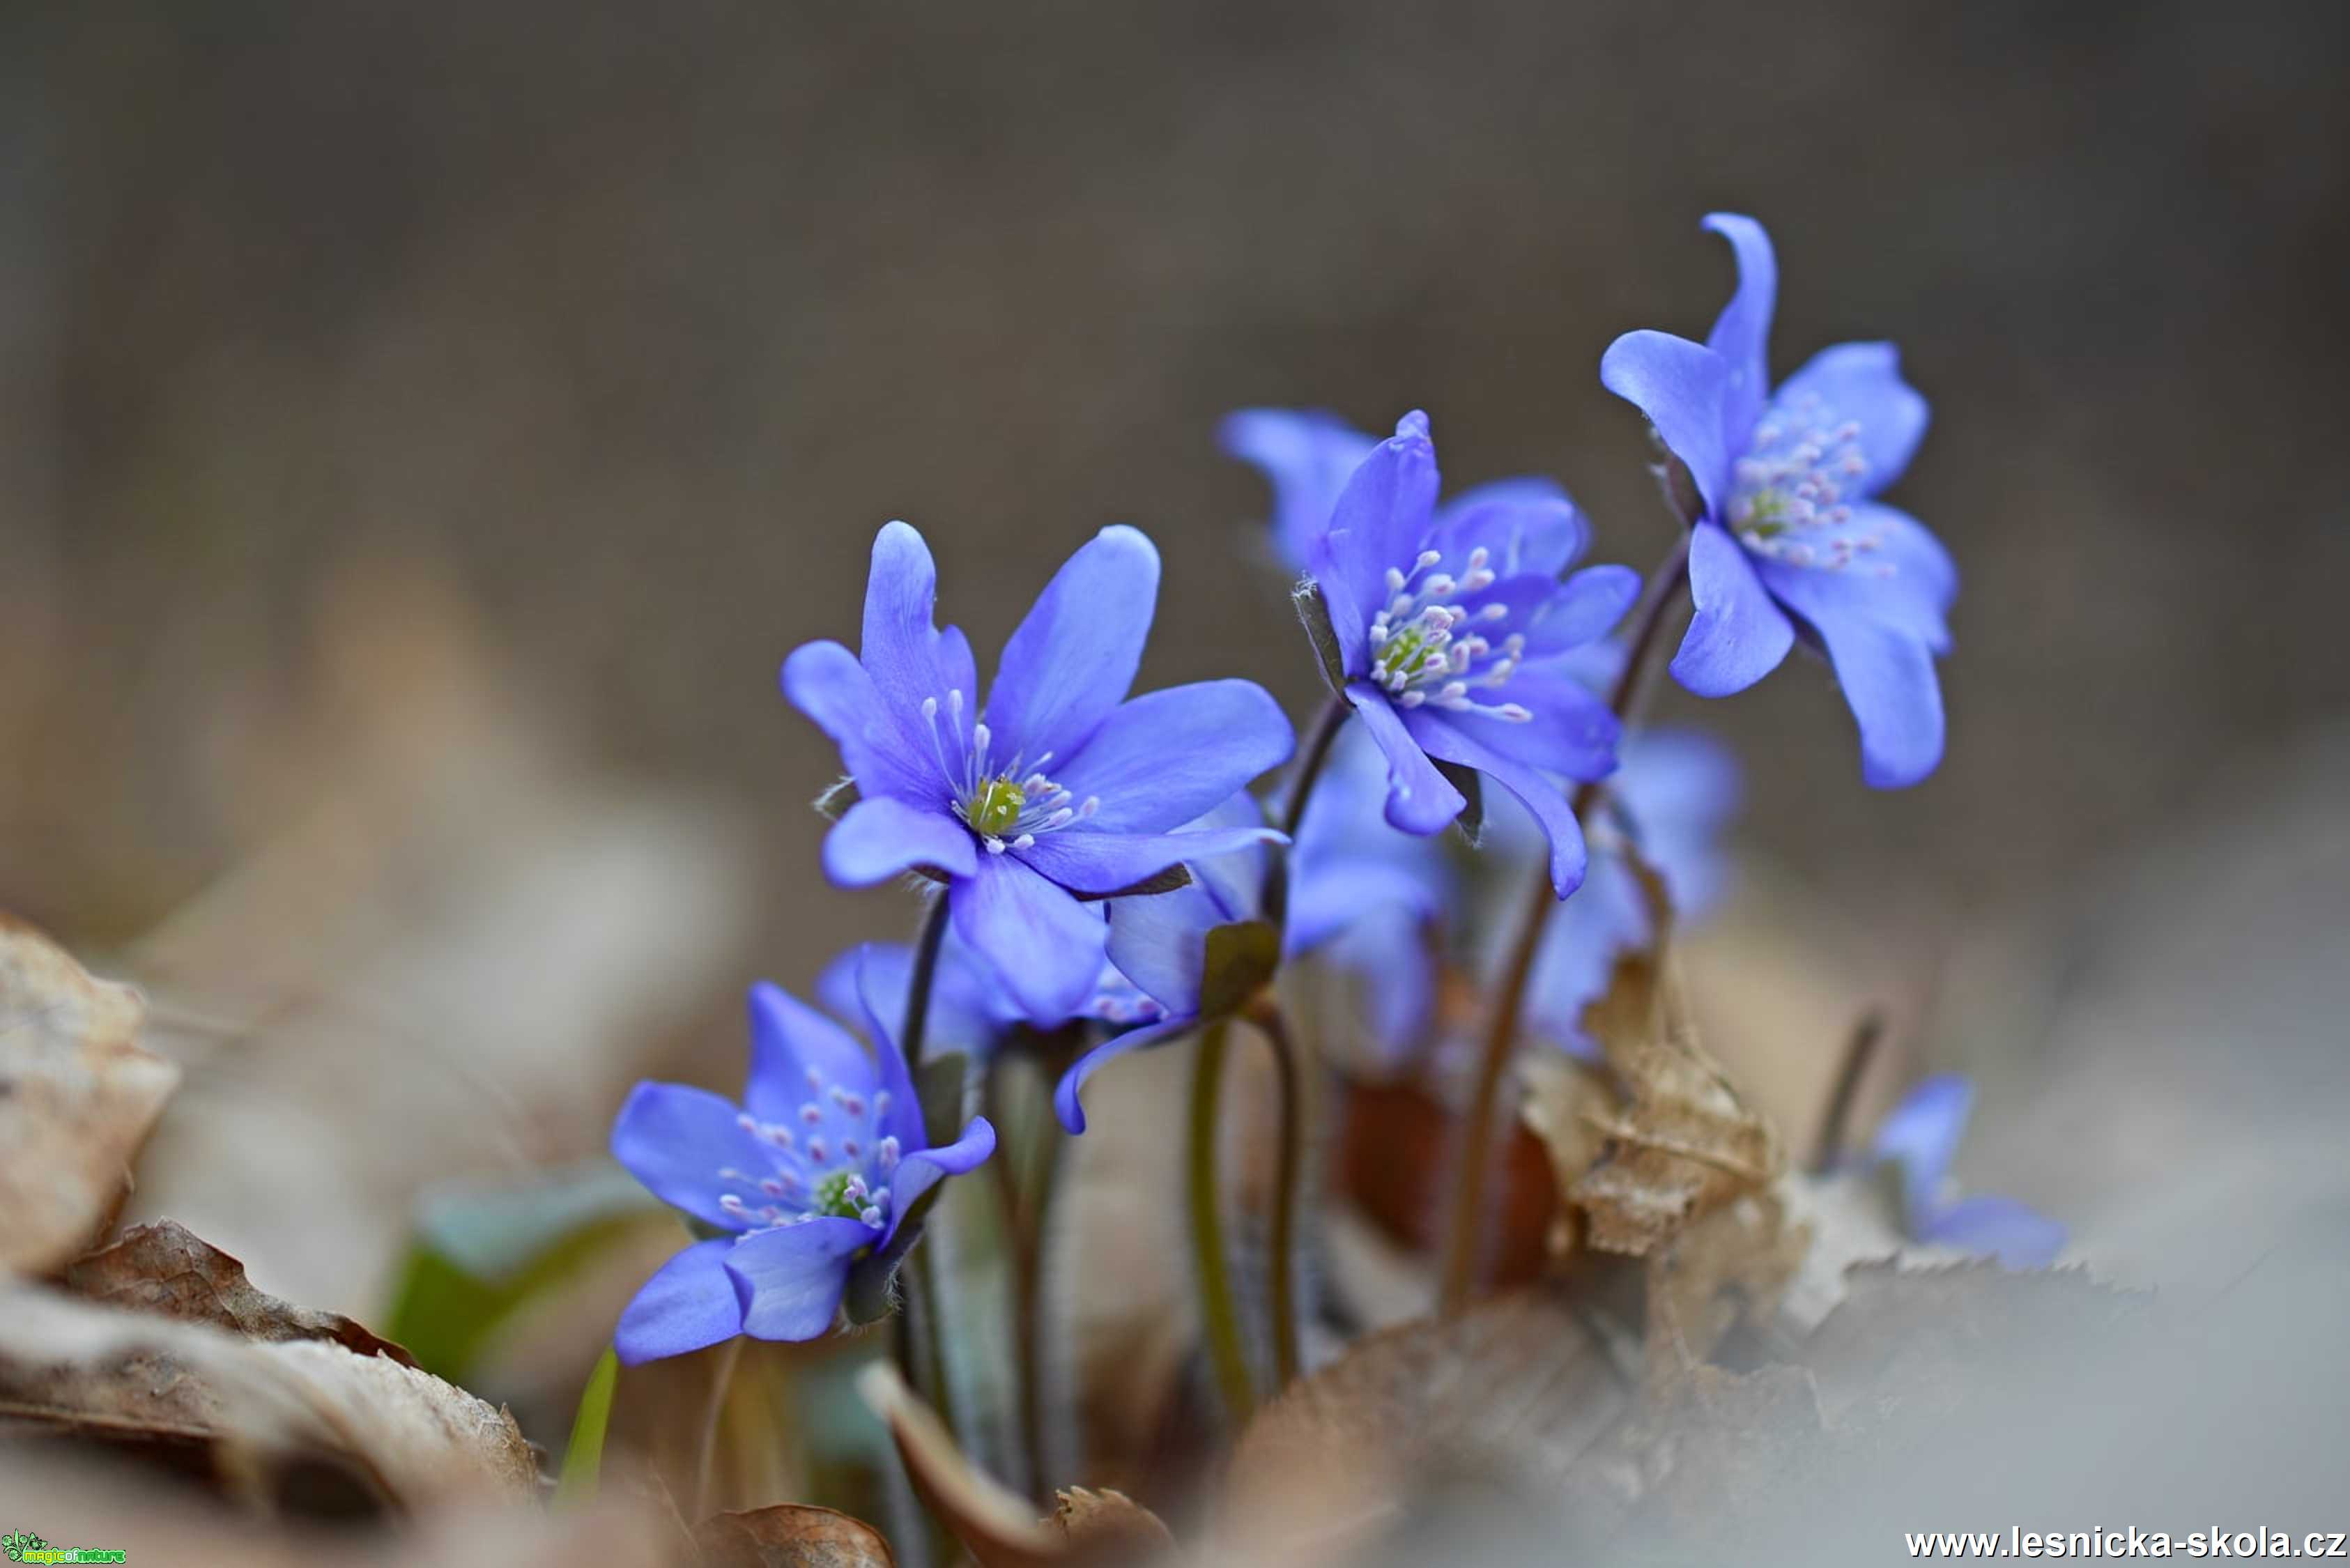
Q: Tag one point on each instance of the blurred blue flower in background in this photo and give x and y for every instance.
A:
(1791, 533)
(1677, 791)
(1919, 1136)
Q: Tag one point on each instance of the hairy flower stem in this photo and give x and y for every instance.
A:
(1281, 1243)
(1218, 1314)
(1025, 1199)
(1465, 1232)
(920, 1352)
(1327, 725)
(917, 1021)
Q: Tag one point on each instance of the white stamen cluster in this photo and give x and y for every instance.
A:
(1420, 653)
(837, 1166)
(1790, 496)
(1005, 808)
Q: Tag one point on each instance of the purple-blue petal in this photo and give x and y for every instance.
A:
(1737, 634)
(1681, 386)
(1888, 677)
(1921, 1135)
(1307, 455)
(1105, 863)
(1573, 731)
(1419, 799)
(824, 681)
(1524, 525)
(1861, 382)
(789, 1279)
(1043, 946)
(901, 650)
(1388, 950)
(1455, 743)
(883, 1015)
(1903, 577)
(1578, 949)
(1325, 901)
(1065, 1103)
(788, 1038)
(1168, 755)
(920, 1171)
(881, 836)
(2017, 1236)
(1741, 333)
(1583, 609)
(689, 1304)
(1385, 514)
(675, 1139)
(1071, 659)
(969, 1012)
(1160, 942)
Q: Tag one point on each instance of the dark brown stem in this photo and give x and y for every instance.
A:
(1859, 1052)
(1465, 1233)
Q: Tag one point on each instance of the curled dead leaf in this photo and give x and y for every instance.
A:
(1093, 1529)
(165, 1268)
(790, 1535)
(1108, 1527)
(361, 1431)
(1683, 1143)
(77, 1097)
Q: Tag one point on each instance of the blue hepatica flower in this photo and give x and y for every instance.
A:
(1364, 896)
(970, 1009)
(1308, 456)
(1918, 1137)
(814, 1168)
(1058, 787)
(1458, 639)
(1341, 887)
(1679, 789)
(1792, 536)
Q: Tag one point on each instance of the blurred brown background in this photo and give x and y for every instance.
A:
(382, 386)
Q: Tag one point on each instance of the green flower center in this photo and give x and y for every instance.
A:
(831, 1197)
(995, 808)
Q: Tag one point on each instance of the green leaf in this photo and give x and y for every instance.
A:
(583, 1456)
(1471, 785)
(1314, 615)
(479, 1255)
(1242, 960)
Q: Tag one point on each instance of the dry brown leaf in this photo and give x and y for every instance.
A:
(1732, 1265)
(77, 1505)
(790, 1535)
(1685, 1143)
(259, 1410)
(164, 1268)
(77, 1097)
(995, 1526)
(1509, 1394)
(1108, 1527)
